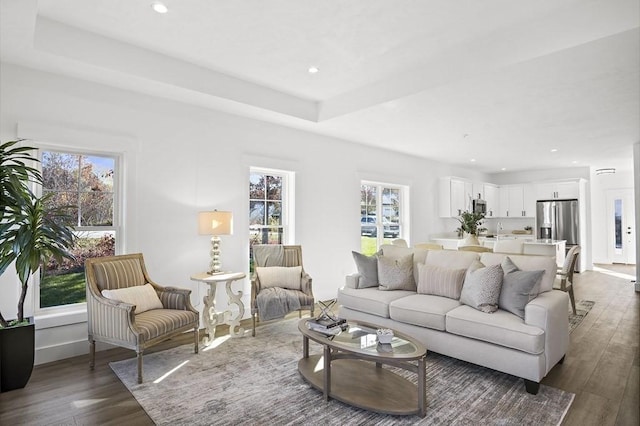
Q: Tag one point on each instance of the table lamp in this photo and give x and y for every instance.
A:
(215, 223)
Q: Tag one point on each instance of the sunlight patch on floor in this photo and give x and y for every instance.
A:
(81, 403)
(216, 342)
(167, 374)
(613, 273)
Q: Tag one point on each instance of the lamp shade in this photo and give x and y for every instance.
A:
(215, 223)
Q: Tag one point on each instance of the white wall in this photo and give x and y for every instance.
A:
(181, 159)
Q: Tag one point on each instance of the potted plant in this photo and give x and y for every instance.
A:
(30, 234)
(470, 225)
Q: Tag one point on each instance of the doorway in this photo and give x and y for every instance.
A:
(621, 234)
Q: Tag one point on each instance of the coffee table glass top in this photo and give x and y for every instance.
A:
(361, 338)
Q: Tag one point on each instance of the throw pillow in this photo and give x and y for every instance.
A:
(440, 281)
(518, 287)
(367, 268)
(280, 276)
(481, 289)
(143, 296)
(396, 274)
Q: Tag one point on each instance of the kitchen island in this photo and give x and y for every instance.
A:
(531, 245)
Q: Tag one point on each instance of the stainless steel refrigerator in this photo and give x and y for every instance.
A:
(558, 220)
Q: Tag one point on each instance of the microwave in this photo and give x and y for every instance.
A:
(479, 206)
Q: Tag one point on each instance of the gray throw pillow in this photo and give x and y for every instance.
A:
(481, 289)
(518, 287)
(367, 268)
(396, 273)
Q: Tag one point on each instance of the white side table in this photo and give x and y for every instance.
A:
(210, 317)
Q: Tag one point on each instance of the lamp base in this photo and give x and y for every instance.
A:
(214, 264)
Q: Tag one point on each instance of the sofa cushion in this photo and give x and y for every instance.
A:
(451, 259)
(370, 300)
(440, 281)
(527, 263)
(518, 287)
(367, 268)
(396, 273)
(501, 328)
(481, 289)
(423, 310)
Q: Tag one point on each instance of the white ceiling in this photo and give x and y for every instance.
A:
(499, 81)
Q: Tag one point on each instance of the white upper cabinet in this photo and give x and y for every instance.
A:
(455, 196)
(492, 197)
(557, 190)
(516, 201)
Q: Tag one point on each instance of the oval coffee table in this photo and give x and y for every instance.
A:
(350, 369)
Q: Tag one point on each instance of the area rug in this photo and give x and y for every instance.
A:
(582, 309)
(254, 381)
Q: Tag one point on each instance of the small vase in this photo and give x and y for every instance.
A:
(469, 240)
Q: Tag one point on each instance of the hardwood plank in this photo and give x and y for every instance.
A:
(629, 413)
(591, 410)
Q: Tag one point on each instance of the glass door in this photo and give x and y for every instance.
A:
(621, 214)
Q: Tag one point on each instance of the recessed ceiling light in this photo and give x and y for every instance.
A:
(473, 160)
(574, 162)
(313, 70)
(554, 150)
(503, 169)
(159, 7)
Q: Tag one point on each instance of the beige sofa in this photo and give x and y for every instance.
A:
(526, 348)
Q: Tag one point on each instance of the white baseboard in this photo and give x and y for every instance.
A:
(47, 354)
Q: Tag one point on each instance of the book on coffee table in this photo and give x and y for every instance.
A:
(326, 323)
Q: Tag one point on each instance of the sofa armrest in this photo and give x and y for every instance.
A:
(549, 311)
(352, 280)
(175, 298)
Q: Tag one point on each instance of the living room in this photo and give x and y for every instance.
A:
(182, 153)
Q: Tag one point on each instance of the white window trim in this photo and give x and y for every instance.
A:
(288, 201)
(68, 314)
(404, 216)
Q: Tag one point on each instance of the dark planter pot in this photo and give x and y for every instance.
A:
(17, 349)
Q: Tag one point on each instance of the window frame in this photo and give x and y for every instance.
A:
(403, 209)
(116, 227)
(287, 201)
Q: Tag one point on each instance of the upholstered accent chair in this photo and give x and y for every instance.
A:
(156, 314)
(564, 276)
(279, 283)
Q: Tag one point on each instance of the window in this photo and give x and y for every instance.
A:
(86, 184)
(269, 217)
(377, 229)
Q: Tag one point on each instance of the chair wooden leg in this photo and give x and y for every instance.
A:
(92, 353)
(253, 318)
(196, 336)
(573, 300)
(139, 367)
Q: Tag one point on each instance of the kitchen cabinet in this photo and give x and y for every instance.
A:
(557, 190)
(492, 197)
(454, 196)
(516, 201)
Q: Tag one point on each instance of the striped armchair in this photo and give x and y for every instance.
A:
(117, 322)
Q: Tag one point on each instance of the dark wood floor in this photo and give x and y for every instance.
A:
(602, 368)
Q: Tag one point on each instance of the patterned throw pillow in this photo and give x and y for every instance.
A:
(440, 281)
(280, 276)
(518, 287)
(367, 268)
(143, 296)
(481, 289)
(396, 273)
